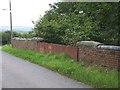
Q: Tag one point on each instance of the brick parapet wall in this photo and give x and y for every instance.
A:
(56, 48)
(25, 44)
(102, 57)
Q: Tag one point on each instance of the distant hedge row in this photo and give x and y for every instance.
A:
(5, 37)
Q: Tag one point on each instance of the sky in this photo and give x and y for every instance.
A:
(26, 11)
(23, 11)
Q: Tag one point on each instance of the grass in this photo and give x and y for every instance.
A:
(92, 75)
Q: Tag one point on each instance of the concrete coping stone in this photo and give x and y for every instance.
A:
(93, 44)
(29, 39)
(110, 47)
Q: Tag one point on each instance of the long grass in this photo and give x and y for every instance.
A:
(92, 75)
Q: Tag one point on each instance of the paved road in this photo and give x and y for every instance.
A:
(17, 73)
(0, 70)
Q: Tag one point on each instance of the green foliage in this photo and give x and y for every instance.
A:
(105, 18)
(5, 37)
(93, 75)
(26, 35)
(70, 22)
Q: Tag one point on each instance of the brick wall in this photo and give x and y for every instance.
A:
(45, 47)
(106, 58)
(102, 57)
(56, 48)
(25, 44)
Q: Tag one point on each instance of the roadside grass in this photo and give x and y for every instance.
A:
(92, 75)
(0, 47)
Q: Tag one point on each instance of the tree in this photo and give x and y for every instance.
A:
(5, 37)
(70, 22)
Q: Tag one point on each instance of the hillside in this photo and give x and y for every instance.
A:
(20, 29)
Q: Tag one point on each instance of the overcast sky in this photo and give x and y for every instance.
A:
(23, 11)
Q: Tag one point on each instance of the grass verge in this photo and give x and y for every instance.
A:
(93, 75)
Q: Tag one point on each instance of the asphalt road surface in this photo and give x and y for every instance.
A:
(18, 73)
(0, 70)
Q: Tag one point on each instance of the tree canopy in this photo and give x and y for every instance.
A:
(70, 22)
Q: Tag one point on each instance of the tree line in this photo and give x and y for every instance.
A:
(6, 36)
(70, 22)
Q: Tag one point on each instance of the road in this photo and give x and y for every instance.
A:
(0, 69)
(18, 73)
